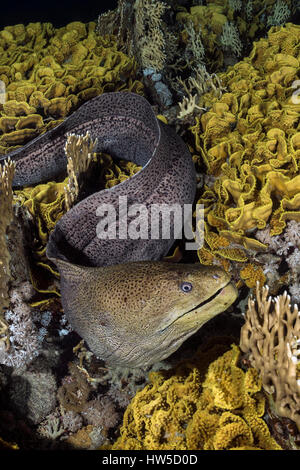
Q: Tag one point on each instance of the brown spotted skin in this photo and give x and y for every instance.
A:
(136, 314)
(124, 124)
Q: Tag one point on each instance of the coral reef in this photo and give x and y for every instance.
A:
(148, 37)
(101, 412)
(78, 151)
(248, 143)
(271, 337)
(201, 404)
(75, 390)
(23, 338)
(44, 205)
(48, 72)
(230, 39)
(281, 263)
(221, 25)
(242, 126)
(280, 14)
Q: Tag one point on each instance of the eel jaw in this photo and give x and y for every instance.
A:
(217, 303)
(210, 299)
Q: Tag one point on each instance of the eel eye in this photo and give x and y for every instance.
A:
(216, 276)
(186, 286)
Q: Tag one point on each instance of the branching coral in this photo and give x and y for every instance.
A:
(271, 339)
(222, 24)
(148, 36)
(78, 150)
(199, 83)
(230, 39)
(280, 14)
(23, 339)
(281, 264)
(202, 404)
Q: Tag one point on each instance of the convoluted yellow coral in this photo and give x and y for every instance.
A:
(202, 404)
(249, 143)
(48, 72)
(228, 27)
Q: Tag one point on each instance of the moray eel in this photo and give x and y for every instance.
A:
(131, 309)
(135, 314)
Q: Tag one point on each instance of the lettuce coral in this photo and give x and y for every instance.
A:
(201, 404)
(249, 143)
(220, 25)
(48, 72)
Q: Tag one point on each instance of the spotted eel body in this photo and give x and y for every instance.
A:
(126, 127)
(130, 309)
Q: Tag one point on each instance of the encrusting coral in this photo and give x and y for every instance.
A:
(201, 404)
(271, 339)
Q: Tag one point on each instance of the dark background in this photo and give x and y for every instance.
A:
(57, 12)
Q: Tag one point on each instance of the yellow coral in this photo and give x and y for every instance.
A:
(252, 274)
(45, 204)
(210, 19)
(249, 143)
(201, 404)
(48, 72)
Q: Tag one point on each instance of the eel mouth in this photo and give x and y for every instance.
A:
(200, 305)
(207, 301)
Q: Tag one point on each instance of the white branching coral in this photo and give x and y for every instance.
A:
(194, 51)
(230, 39)
(271, 339)
(249, 10)
(235, 5)
(148, 36)
(194, 87)
(23, 339)
(282, 248)
(281, 14)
